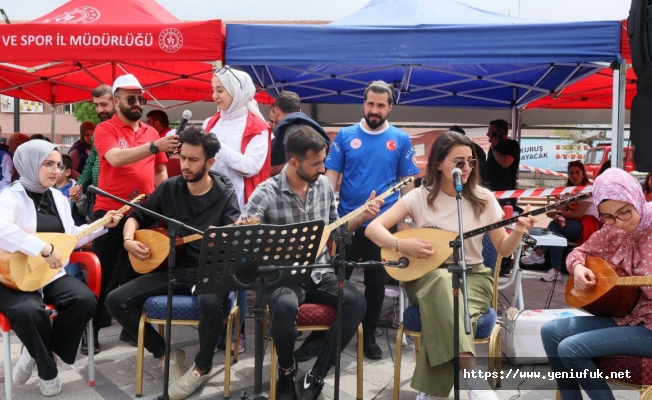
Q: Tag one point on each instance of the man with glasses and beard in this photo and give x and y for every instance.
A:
(198, 198)
(371, 155)
(132, 162)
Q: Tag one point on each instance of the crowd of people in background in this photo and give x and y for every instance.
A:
(237, 165)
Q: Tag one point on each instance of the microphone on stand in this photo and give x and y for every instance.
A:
(184, 120)
(401, 263)
(456, 173)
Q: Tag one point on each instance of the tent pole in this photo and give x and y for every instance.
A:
(618, 113)
(514, 115)
(52, 123)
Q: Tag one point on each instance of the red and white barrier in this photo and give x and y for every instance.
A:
(541, 192)
(543, 171)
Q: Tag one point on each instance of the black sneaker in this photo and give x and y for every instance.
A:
(310, 387)
(286, 384)
(83, 348)
(126, 337)
(371, 350)
(311, 347)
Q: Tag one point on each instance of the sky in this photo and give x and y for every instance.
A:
(552, 10)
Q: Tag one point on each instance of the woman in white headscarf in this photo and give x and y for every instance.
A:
(242, 131)
(27, 206)
(245, 136)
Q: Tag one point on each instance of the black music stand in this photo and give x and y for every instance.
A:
(257, 257)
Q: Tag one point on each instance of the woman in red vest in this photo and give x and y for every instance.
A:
(245, 138)
(242, 131)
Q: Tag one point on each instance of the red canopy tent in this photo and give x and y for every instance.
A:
(60, 57)
(595, 91)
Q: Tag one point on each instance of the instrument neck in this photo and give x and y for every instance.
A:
(538, 211)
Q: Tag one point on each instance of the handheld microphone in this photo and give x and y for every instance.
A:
(457, 179)
(184, 120)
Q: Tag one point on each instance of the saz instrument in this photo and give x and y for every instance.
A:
(22, 272)
(158, 243)
(614, 294)
(348, 217)
(441, 241)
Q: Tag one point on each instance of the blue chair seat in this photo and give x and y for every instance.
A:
(183, 307)
(412, 321)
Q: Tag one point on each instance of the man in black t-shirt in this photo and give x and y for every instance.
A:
(503, 160)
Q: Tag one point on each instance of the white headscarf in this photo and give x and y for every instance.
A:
(242, 89)
(28, 159)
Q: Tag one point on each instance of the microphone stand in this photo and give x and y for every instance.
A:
(174, 227)
(458, 269)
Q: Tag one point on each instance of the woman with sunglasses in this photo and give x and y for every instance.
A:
(434, 205)
(27, 206)
(575, 222)
(625, 240)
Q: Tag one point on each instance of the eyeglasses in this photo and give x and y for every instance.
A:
(131, 100)
(51, 166)
(623, 216)
(224, 70)
(460, 164)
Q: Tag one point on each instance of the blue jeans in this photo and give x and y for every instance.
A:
(572, 231)
(572, 343)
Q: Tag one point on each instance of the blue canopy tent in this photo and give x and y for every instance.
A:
(436, 53)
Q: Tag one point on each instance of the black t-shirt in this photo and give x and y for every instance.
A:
(47, 217)
(497, 177)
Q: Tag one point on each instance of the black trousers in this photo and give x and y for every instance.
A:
(284, 305)
(363, 249)
(116, 268)
(75, 305)
(125, 304)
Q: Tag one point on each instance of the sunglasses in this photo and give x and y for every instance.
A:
(131, 100)
(460, 164)
(224, 69)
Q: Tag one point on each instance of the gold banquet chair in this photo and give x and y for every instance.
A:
(488, 331)
(315, 317)
(185, 311)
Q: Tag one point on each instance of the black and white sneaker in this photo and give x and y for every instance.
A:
(310, 387)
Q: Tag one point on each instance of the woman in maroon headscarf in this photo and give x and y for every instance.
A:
(625, 240)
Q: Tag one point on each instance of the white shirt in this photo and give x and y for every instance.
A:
(7, 170)
(18, 222)
(230, 161)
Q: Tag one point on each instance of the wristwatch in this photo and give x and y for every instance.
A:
(395, 245)
(152, 148)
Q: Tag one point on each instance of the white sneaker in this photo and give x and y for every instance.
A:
(24, 366)
(187, 384)
(50, 388)
(479, 389)
(177, 359)
(551, 275)
(533, 258)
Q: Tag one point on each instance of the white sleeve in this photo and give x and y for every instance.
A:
(251, 162)
(13, 237)
(7, 170)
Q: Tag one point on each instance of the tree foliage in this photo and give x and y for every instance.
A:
(85, 111)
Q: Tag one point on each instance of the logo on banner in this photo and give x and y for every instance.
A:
(170, 40)
(79, 15)
(122, 142)
(356, 143)
(390, 145)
